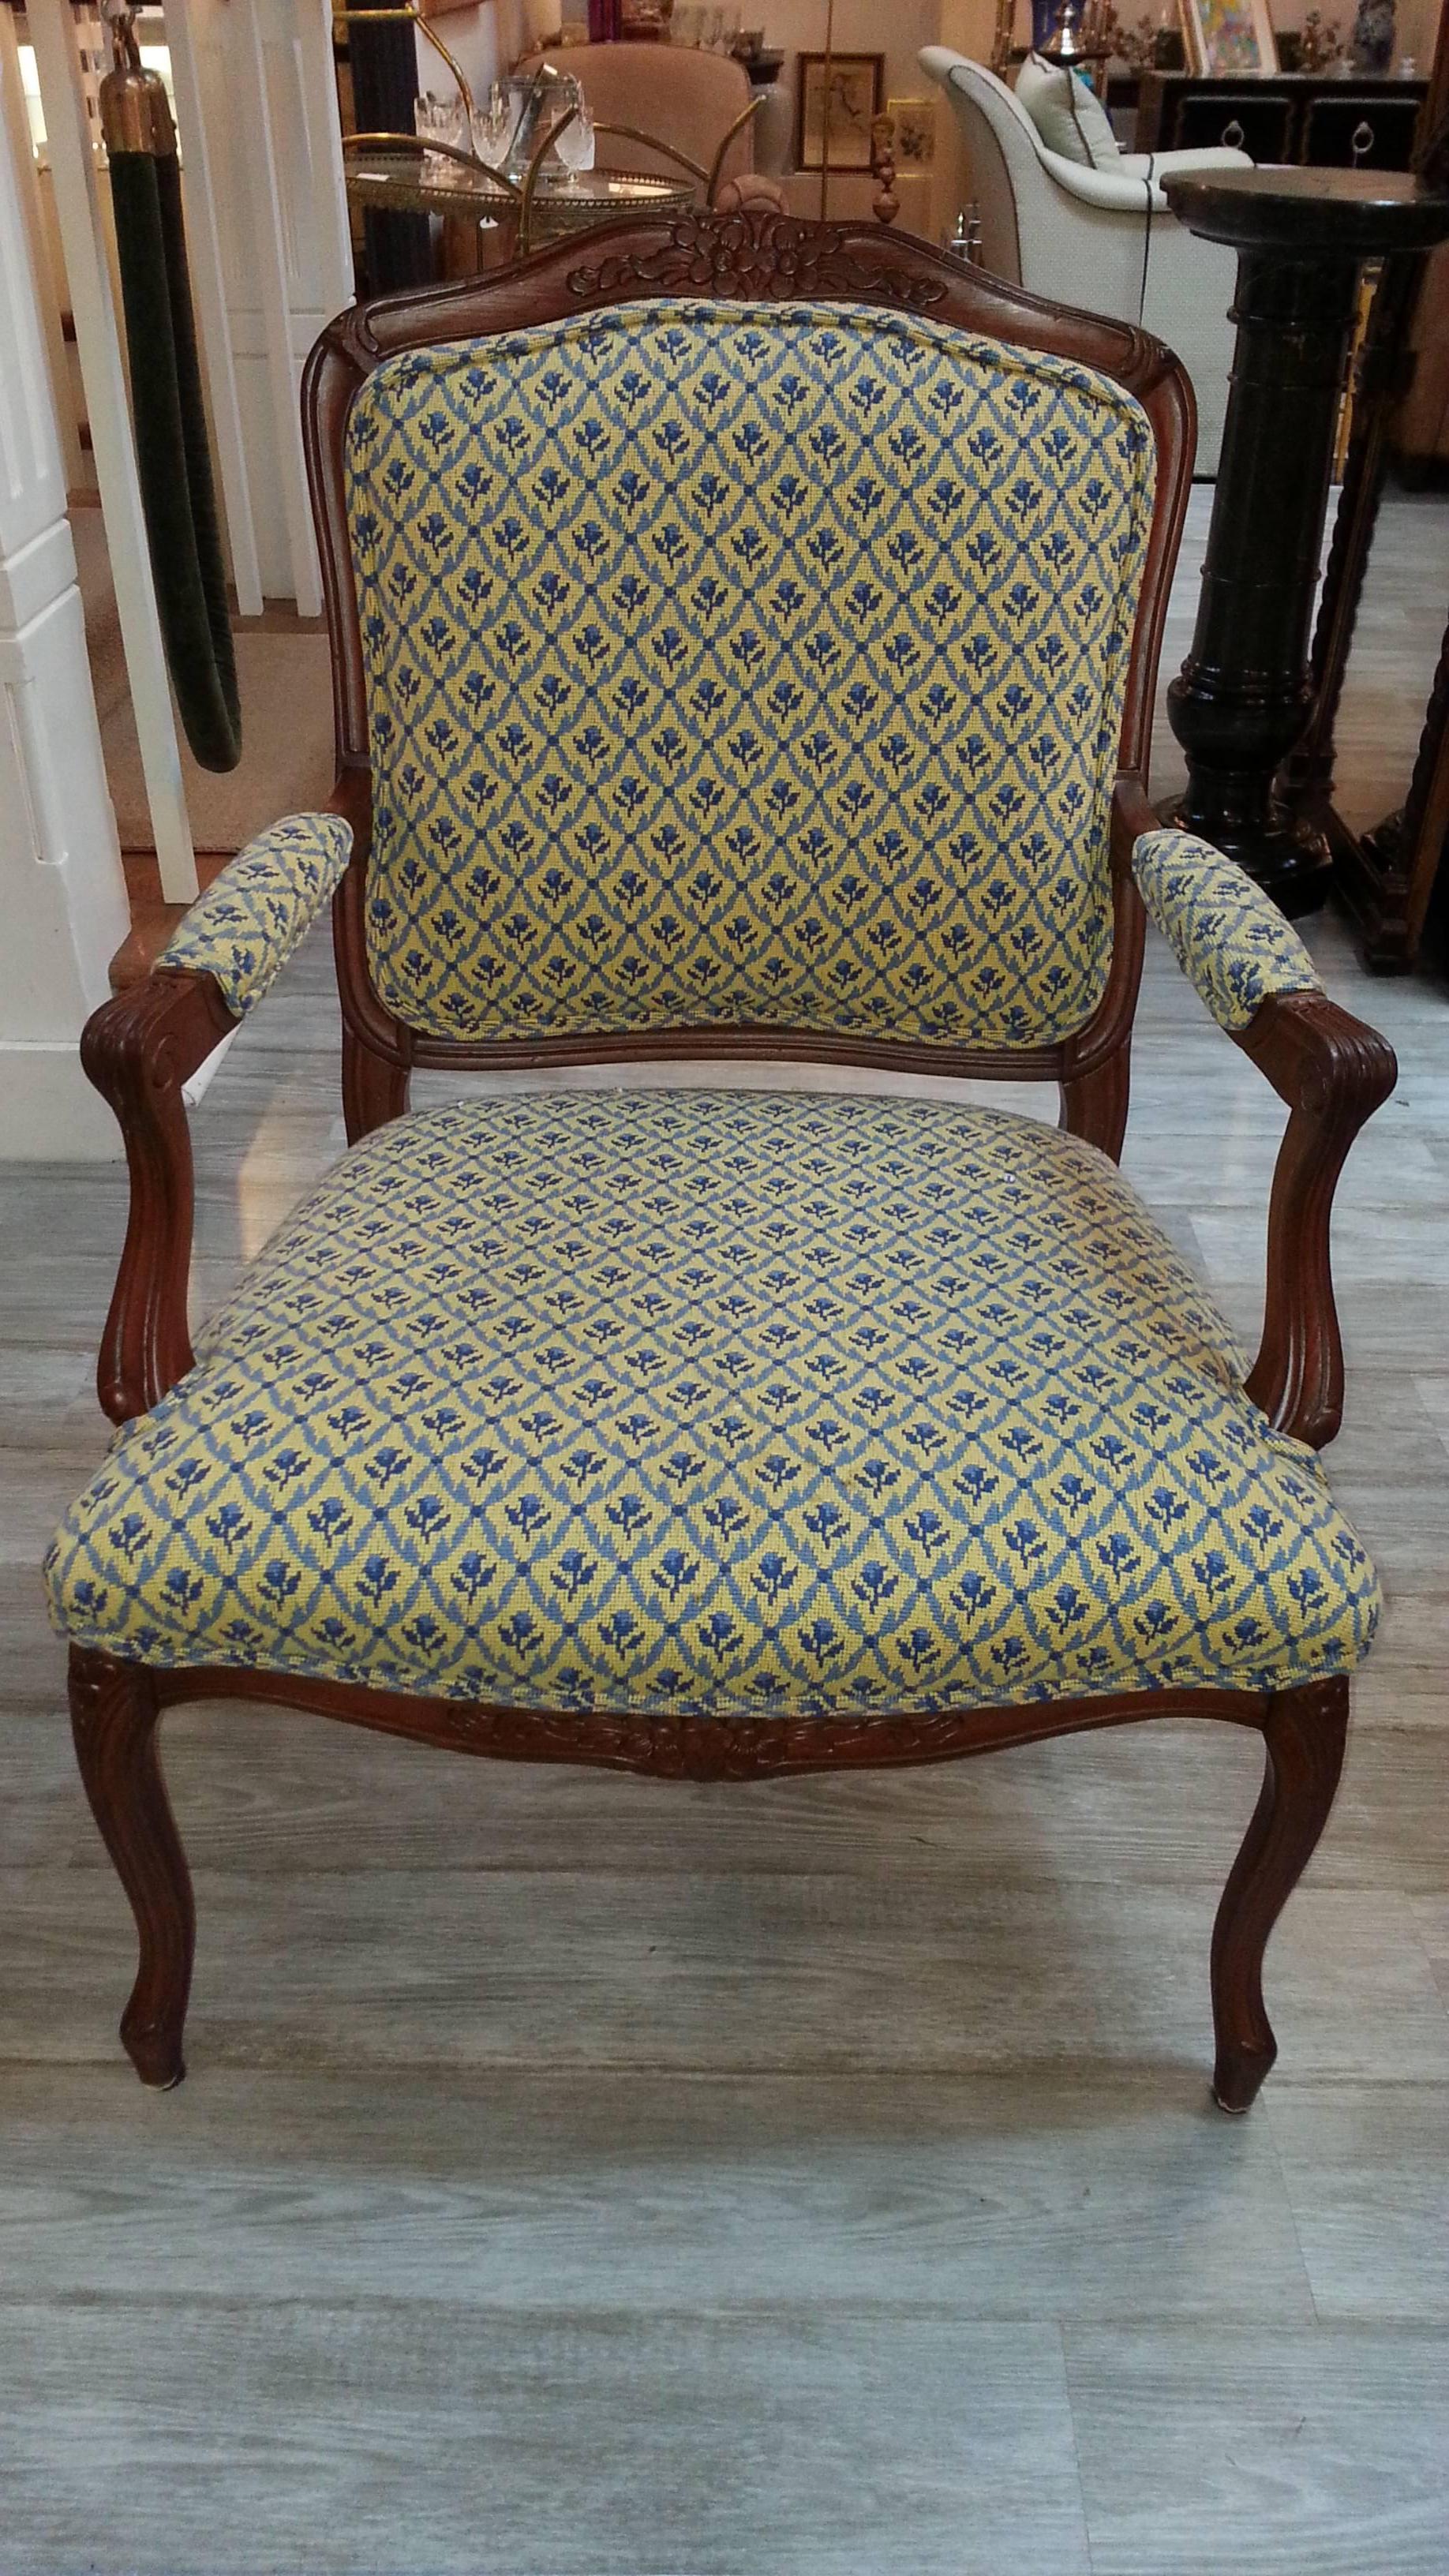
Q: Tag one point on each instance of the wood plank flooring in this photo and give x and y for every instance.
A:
(583, 2177)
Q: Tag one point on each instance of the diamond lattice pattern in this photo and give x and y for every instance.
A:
(744, 666)
(719, 1402)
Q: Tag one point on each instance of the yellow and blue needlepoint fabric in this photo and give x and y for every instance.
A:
(733, 664)
(245, 925)
(718, 1402)
(1229, 937)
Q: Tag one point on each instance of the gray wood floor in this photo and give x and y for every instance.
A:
(578, 2177)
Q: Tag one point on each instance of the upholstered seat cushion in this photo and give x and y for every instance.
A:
(718, 1401)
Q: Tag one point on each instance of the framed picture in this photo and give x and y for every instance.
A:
(913, 129)
(833, 132)
(1228, 36)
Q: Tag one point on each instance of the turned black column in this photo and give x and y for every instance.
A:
(399, 247)
(1243, 697)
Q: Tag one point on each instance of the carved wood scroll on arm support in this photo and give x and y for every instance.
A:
(138, 1049)
(1330, 1068)
(1334, 1072)
(142, 1046)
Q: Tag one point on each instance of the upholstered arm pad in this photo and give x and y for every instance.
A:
(1183, 165)
(1229, 939)
(245, 926)
(1125, 186)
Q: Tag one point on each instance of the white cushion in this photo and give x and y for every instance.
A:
(1069, 119)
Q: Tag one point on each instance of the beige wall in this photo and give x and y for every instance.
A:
(895, 28)
(898, 28)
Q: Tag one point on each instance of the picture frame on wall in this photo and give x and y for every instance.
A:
(834, 133)
(913, 132)
(1228, 36)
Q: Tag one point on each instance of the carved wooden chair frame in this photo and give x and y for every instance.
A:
(142, 1046)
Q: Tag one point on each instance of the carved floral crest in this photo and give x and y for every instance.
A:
(760, 254)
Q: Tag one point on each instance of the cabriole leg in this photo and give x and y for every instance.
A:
(1304, 1738)
(114, 1710)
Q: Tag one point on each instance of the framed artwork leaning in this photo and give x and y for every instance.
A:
(1225, 36)
(832, 123)
(913, 127)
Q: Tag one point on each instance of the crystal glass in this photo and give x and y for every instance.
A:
(574, 142)
(493, 128)
(532, 99)
(439, 120)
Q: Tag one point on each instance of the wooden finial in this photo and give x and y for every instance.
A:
(885, 205)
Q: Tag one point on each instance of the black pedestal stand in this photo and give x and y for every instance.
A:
(1244, 697)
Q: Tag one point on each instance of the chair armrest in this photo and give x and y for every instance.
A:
(1185, 165)
(1334, 1072)
(138, 1049)
(245, 926)
(142, 1046)
(1115, 191)
(1259, 982)
(1229, 938)
(1128, 187)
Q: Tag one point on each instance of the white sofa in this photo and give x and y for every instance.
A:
(1102, 239)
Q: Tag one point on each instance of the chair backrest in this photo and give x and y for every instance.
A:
(739, 664)
(685, 96)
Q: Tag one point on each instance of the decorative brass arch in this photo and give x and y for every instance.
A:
(399, 142)
(709, 179)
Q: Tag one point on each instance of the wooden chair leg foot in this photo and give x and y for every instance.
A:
(114, 1712)
(1237, 2074)
(1303, 1735)
(157, 2060)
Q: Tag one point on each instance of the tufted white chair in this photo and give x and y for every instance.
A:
(1103, 239)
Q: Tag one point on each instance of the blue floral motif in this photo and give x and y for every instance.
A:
(736, 665)
(245, 925)
(1229, 938)
(718, 1401)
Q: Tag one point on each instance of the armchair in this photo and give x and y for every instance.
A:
(1105, 239)
(744, 638)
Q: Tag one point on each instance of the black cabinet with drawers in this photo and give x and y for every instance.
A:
(1334, 123)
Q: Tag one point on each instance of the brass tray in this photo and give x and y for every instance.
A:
(561, 203)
